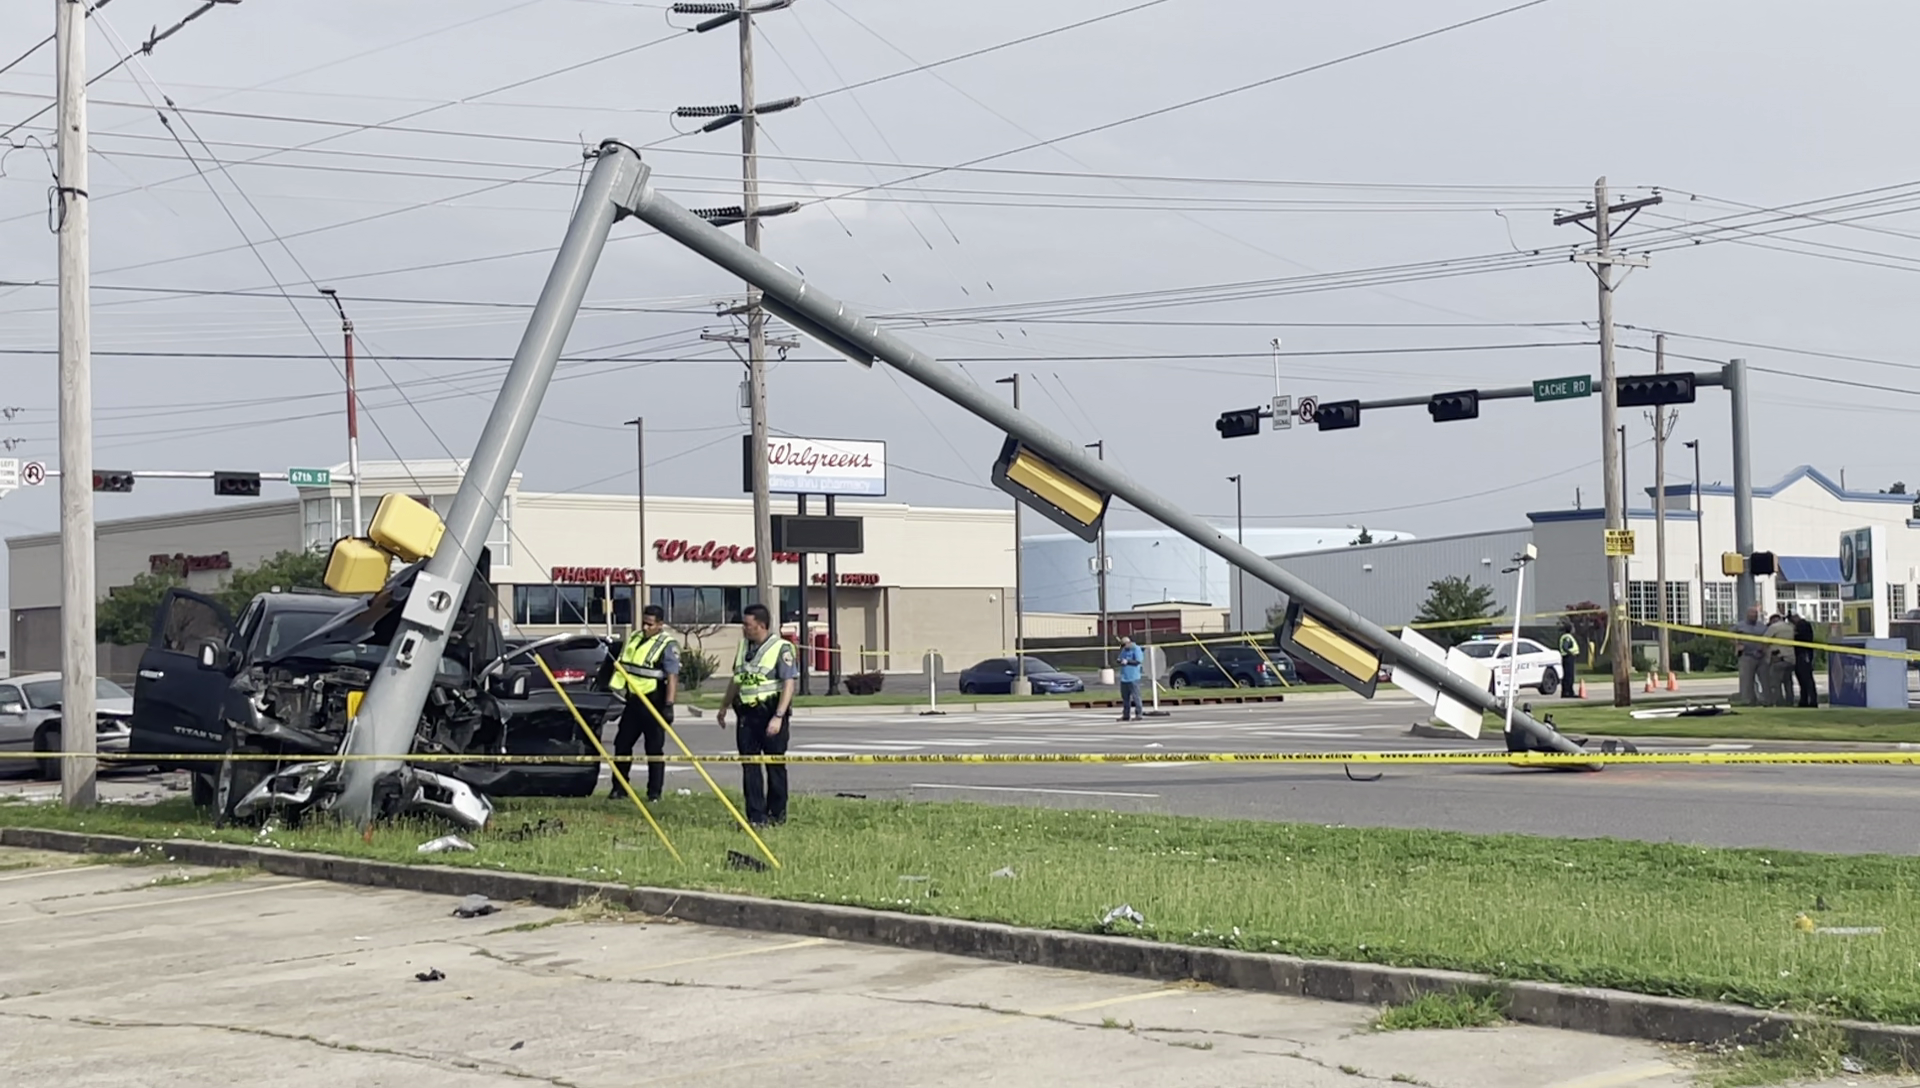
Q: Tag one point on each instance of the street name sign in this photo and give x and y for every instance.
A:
(310, 477)
(1562, 388)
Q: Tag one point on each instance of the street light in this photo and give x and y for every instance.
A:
(353, 411)
(1699, 528)
(1239, 576)
(1019, 595)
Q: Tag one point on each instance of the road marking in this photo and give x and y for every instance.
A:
(148, 904)
(1633, 1074)
(49, 872)
(1026, 789)
(808, 943)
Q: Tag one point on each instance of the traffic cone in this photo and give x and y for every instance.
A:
(1649, 687)
(1672, 684)
(1583, 689)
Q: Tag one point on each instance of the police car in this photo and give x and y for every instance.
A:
(1535, 665)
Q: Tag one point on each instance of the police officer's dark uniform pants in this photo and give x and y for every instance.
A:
(1803, 674)
(637, 723)
(1569, 663)
(764, 785)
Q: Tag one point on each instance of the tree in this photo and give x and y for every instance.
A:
(1364, 538)
(285, 571)
(125, 618)
(1899, 488)
(1452, 600)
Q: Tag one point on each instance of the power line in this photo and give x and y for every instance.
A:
(1217, 95)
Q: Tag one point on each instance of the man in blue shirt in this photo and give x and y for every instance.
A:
(1130, 661)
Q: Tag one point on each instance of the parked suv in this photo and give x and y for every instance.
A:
(1233, 666)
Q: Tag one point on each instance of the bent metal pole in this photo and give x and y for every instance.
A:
(391, 712)
(859, 334)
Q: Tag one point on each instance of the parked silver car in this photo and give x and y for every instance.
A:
(30, 719)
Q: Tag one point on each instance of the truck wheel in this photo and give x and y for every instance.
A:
(236, 778)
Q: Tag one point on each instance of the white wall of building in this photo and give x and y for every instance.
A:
(1156, 565)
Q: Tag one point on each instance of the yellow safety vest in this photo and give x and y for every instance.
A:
(640, 659)
(1569, 645)
(755, 679)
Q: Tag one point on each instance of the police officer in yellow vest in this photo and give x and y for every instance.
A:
(1569, 660)
(761, 695)
(649, 673)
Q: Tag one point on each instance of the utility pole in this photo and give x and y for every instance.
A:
(756, 328)
(1019, 591)
(1239, 576)
(639, 425)
(353, 413)
(77, 643)
(1100, 567)
(1700, 529)
(746, 114)
(1602, 258)
(1663, 422)
(1746, 593)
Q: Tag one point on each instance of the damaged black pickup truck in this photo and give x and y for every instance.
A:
(285, 680)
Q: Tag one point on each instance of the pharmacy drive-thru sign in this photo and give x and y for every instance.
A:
(820, 466)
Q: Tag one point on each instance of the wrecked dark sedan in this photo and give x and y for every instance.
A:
(211, 689)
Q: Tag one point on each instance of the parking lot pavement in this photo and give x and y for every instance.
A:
(163, 975)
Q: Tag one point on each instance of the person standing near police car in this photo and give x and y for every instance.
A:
(761, 696)
(649, 673)
(1569, 660)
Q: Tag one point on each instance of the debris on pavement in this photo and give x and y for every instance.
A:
(1124, 912)
(443, 844)
(852, 796)
(1851, 1064)
(518, 1045)
(1850, 931)
(1005, 873)
(431, 974)
(1803, 923)
(737, 860)
(683, 792)
(475, 906)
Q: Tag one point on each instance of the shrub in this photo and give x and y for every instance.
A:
(696, 666)
(1707, 653)
(865, 683)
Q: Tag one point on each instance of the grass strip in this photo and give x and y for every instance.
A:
(1433, 1012)
(1743, 723)
(1656, 918)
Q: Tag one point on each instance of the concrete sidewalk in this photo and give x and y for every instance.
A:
(168, 975)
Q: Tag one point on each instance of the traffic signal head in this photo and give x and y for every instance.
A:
(1762, 564)
(1654, 390)
(1338, 415)
(1444, 407)
(236, 484)
(1238, 424)
(112, 480)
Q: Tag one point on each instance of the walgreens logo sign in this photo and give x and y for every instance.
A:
(712, 552)
(821, 466)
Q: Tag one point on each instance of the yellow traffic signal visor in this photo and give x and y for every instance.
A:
(1065, 500)
(1332, 651)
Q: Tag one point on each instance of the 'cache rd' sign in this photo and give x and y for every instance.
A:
(1562, 388)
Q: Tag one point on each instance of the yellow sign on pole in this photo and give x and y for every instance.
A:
(1619, 542)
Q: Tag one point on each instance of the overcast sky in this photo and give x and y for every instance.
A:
(1459, 147)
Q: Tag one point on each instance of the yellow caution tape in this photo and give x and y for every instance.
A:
(1762, 640)
(1545, 759)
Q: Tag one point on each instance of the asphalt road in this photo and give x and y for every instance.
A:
(1833, 809)
(1827, 809)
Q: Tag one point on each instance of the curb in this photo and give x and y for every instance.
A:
(1571, 1008)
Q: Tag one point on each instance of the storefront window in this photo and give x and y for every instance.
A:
(535, 605)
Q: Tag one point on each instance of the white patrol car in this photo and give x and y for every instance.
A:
(1537, 666)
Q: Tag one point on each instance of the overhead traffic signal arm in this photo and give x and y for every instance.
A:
(1633, 391)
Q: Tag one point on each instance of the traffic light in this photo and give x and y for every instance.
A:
(236, 484)
(1762, 564)
(119, 480)
(1446, 407)
(1654, 390)
(1238, 424)
(1338, 415)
